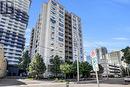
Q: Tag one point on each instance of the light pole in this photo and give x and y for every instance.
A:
(77, 69)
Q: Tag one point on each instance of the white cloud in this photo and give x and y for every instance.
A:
(120, 38)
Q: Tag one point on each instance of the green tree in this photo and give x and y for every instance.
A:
(55, 68)
(37, 66)
(66, 69)
(24, 61)
(126, 57)
(74, 68)
(85, 69)
(101, 69)
(124, 71)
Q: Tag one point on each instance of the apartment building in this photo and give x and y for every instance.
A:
(13, 23)
(57, 32)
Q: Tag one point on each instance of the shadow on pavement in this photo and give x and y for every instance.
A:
(118, 81)
(11, 82)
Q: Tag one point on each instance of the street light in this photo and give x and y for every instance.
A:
(77, 69)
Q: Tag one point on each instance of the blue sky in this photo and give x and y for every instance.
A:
(104, 22)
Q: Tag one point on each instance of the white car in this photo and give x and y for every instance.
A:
(127, 79)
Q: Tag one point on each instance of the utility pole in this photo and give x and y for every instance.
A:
(77, 69)
(97, 79)
(128, 71)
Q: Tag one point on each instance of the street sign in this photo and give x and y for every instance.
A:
(95, 64)
(94, 60)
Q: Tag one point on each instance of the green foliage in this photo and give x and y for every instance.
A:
(66, 68)
(74, 68)
(24, 61)
(85, 69)
(126, 57)
(101, 69)
(37, 66)
(124, 71)
(55, 68)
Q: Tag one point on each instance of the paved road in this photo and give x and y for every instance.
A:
(35, 83)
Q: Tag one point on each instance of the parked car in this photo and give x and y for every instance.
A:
(127, 79)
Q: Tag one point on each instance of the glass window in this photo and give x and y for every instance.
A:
(52, 20)
(60, 20)
(61, 8)
(60, 39)
(61, 16)
(52, 27)
(61, 34)
(54, 3)
(61, 25)
(53, 12)
(61, 29)
(53, 8)
(61, 12)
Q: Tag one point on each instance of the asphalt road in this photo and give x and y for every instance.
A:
(34, 83)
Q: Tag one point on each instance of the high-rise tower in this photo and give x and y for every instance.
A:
(13, 23)
(57, 32)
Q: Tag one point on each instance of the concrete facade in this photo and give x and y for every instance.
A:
(13, 23)
(57, 32)
(111, 62)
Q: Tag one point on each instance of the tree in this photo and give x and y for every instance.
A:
(74, 68)
(101, 69)
(55, 68)
(24, 61)
(126, 57)
(124, 71)
(37, 66)
(66, 69)
(85, 69)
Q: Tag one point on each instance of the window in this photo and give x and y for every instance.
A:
(74, 27)
(61, 16)
(53, 8)
(52, 44)
(52, 27)
(54, 3)
(52, 12)
(53, 17)
(52, 35)
(61, 44)
(61, 8)
(53, 21)
(61, 39)
(52, 49)
(61, 12)
(60, 20)
(61, 34)
(61, 25)
(61, 29)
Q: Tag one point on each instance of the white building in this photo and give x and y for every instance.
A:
(13, 23)
(111, 62)
(101, 55)
(115, 57)
(57, 32)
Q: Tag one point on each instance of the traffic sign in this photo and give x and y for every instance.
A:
(95, 64)
(94, 60)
